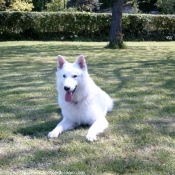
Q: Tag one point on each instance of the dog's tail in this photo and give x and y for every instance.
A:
(109, 102)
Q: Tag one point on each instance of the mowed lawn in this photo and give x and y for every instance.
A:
(141, 134)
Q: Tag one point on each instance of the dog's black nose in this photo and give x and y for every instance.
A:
(66, 88)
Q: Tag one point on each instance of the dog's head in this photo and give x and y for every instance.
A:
(69, 75)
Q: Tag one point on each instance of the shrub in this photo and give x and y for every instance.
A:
(83, 26)
(167, 7)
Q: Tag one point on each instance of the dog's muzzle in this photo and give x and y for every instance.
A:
(69, 94)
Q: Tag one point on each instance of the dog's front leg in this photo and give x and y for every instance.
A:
(65, 124)
(98, 127)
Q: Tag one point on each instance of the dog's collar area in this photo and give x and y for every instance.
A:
(77, 102)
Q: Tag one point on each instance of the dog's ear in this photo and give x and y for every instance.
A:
(81, 62)
(60, 62)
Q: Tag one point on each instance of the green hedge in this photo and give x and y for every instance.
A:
(83, 26)
(149, 27)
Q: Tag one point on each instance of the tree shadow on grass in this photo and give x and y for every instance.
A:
(139, 84)
(37, 130)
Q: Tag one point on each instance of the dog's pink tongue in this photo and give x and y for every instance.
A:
(68, 96)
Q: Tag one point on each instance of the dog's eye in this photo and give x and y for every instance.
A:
(64, 76)
(75, 76)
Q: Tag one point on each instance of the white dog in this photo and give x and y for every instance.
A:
(80, 99)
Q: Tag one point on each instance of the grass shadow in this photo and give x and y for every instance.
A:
(37, 130)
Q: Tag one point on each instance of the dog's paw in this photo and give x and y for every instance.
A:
(53, 134)
(91, 137)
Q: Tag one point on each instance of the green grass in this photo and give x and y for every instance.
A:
(141, 134)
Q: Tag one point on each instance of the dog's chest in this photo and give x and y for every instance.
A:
(79, 112)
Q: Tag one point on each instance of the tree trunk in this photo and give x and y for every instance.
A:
(116, 36)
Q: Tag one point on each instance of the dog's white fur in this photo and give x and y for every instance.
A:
(82, 101)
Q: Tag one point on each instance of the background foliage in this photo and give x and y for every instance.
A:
(55, 5)
(21, 5)
(144, 6)
(16, 5)
(167, 7)
(83, 26)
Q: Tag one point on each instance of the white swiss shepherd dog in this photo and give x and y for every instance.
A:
(81, 101)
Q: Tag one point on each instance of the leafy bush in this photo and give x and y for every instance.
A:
(149, 27)
(26, 5)
(55, 5)
(82, 26)
(167, 7)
